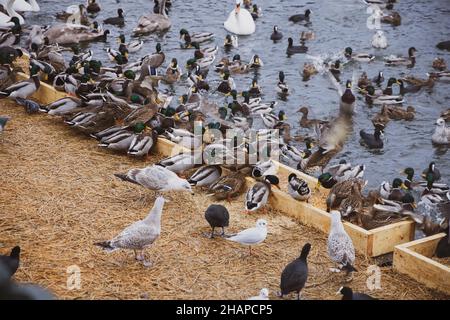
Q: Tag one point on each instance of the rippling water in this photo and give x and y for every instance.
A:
(337, 24)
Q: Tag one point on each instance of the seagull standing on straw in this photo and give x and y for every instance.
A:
(252, 236)
(340, 245)
(138, 235)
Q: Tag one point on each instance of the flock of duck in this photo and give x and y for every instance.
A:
(123, 108)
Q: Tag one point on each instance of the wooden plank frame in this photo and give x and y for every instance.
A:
(414, 260)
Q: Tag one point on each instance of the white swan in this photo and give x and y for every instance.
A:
(379, 40)
(23, 5)
(240, 21)
(5, 19)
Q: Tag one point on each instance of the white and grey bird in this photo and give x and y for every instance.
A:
(340, 245)
(205, 176)
(298, 188)
(441, 134)
(156, 178)
(252, 236)
(138, 235)
(263, 295)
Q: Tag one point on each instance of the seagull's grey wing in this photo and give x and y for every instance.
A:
(340, 244)
(152, 177)
(136, 236)
(248, 236)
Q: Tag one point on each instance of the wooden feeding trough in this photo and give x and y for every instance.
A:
(414, 259)
(371, 243)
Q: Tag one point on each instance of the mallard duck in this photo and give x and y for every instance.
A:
(301, 17)
(202, 63)
(372, 98)
(152, 62)
(256, 12)
(347, 104)
(142, 143)
(153, 22)
(6, 77)
(8, 39)
(264, 168)
(396, 192)
(263, 108)
(119, 57)
(314, 164)
(8, 55)
(197, 37)
(22, 89)
(381, 119)
(132, 46)
(227, 84)
(398, 113)
(282, 87)
(93, 120)
(119, 20)
(291, 49)
(439, 64)
(444, 45)
(298, 188)
(228, 186)
(178, 163)
(409, 183)
(379, 79)
(119, 141)
(335, 70)
(291, 154)
(353, 203)
(92, 6)
(341, 191)
(205, 176)
(410, 61)
(344, 171)
(308, 123)
(276, 34)
(379, 40)
(393, 18)
(435, 173)
(173, 72)
(255, 62)
(433, 193)
(184, 138)
(326, 180)
(446, 115)
(200, 53)
(270, 120)
(257, 196)
(255, 89)
(308, 70)
(443, 76)
(63, 106)
(231, 41)
(372, 141)
(360, 57)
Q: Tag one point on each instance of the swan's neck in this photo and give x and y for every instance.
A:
(162, 8)
(10, 10)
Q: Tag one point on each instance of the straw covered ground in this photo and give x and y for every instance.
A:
(59, 196)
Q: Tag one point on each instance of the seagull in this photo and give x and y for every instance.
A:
(252, 236)
(263, 295)
(11, 261)
(156, 178)
(295, 274)
(138, 235)
(340, 245)
(217, 217)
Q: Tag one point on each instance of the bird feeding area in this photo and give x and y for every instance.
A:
(72, 199)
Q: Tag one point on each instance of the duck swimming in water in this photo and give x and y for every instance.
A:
(240, 21)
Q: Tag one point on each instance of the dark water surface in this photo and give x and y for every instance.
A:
(337, 24)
